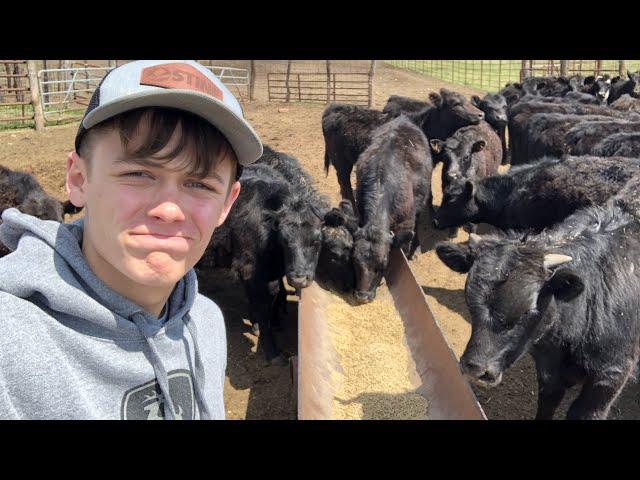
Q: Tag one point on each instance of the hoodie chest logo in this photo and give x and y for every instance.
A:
(146, 401)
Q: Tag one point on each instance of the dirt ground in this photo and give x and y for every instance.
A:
(253, 389)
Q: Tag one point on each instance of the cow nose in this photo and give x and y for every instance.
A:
(470, 367)
(299, 281)
(364, 297)
(481, 116)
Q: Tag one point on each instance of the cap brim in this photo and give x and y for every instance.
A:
(243, 139)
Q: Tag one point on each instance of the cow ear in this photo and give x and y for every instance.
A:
(589, 80)
(435, 98)
(565, 284)
(456, 256)
(475, 100)
(478, 146)
(437, 145)
(334, 218)
(402, 237)
(469, 189)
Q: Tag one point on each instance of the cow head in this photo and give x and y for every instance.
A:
(300, 236)
(455, 109)
(42, 206)
(598, 86)
(459, 205)
(494, 107)
(634, 78)
(511, 291)
(335, 271)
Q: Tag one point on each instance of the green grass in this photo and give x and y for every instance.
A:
(492, 75)
(6, 112)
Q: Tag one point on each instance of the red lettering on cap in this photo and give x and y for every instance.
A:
(180, 75)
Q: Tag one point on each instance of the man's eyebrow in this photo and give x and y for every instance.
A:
(142, 161)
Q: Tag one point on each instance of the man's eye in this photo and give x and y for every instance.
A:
(200, 185)
(137, 174)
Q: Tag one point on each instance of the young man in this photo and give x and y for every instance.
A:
(101, 318)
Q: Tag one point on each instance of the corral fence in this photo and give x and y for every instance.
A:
(321, 82)
(15, 94)
(492, 75)
(35, 93)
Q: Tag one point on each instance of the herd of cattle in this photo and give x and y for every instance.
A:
(557, 279)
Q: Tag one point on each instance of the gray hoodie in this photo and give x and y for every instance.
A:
(72, 348)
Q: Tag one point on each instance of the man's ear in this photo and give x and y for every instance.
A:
(76, 179)
(231, 198)
(456, 256)
(565, 284)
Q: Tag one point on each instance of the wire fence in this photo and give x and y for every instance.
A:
(492, 75)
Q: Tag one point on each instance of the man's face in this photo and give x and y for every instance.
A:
(150, 224)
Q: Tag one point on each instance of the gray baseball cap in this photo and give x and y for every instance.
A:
(181, 84)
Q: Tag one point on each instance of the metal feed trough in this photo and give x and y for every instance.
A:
(447, 392)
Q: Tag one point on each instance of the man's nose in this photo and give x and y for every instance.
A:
(167, 206)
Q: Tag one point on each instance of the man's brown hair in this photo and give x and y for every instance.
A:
(205, 144)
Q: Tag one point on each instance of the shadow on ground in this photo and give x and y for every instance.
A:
(270, 390)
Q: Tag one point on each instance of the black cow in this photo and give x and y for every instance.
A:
(397, 105)
(20, 190)
(249, 245)
(545, 134)
(582, 139)
(627, 103)
(570, 296)
(538, 195)
(347, 129)
(512, 93)
(520, 114)
(300, 232)
(494, 107)
(619, 145)
(631, 86)
(472, 153)
(547, 86)
(393, 188)
(335, 271)
(599, 87)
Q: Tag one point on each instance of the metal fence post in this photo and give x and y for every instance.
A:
(371, 73)
(34, 87)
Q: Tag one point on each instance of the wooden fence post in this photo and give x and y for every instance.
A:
(622, 70)
(563, 68)
(34, 87)
(328, 81)
(372, 71)
(288, 75)
(252, 78)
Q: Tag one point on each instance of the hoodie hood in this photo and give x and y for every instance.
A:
(57, 275)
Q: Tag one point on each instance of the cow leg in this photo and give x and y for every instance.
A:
(503, 140)
(453, 232)
(279, 309)
(415, 241)
(346, 191)
(551, 391)
(551, 384)
(598, 394)
(261, 304)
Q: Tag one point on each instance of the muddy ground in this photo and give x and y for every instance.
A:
(255, 390)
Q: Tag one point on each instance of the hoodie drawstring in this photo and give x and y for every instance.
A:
(198, 380)
(158, 367)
